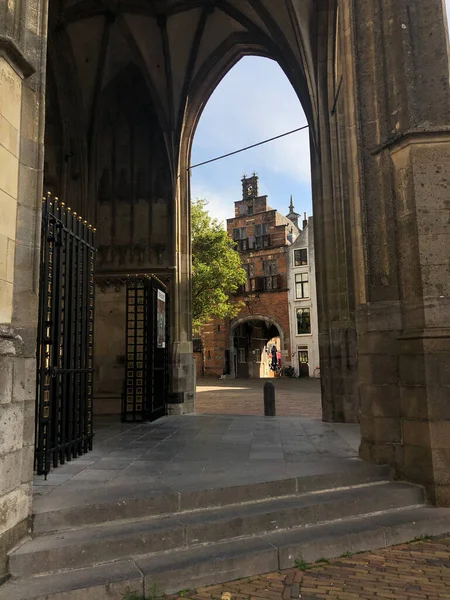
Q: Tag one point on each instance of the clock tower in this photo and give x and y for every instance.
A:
(250, 187)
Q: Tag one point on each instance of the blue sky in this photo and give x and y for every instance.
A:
(253, 102)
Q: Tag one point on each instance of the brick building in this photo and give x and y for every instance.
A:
(242, 347)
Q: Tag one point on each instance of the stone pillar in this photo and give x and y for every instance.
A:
(402, 66)
(334, 271)
(182, 393)
(22, 80)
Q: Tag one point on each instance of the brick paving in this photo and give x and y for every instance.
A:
(414, 571)
(299, 397)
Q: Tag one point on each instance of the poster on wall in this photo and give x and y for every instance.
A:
(161, 320)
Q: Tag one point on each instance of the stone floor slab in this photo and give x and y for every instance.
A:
(203, 451)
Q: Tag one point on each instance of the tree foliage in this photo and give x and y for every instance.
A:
(216, 268)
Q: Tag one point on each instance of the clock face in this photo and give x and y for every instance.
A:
(249, 190)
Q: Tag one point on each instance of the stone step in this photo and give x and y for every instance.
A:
(58, 512)
(82, 547)
(219, 562)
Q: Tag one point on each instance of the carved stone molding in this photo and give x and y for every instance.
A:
(13, 54)
(119, 281)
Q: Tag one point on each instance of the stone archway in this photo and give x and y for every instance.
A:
(337, 327)
(273, 329)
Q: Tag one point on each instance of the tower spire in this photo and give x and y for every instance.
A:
(291, 205)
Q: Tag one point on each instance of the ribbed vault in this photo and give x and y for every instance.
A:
(184, 48)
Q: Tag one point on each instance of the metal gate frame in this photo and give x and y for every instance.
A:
(147, 354)
(64, 383)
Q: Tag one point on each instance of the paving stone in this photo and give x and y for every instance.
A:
(225, 397)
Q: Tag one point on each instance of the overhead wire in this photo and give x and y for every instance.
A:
(277, 137)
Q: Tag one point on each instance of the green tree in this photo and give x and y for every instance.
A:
(216, 268)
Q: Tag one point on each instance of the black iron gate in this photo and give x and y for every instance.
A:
(147, 341)
(65, 337)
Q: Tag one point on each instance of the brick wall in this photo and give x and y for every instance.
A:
(272, 305)
(265, 294)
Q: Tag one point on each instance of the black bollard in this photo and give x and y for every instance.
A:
(269, 400)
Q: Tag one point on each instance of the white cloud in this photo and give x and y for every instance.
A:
(220, 203)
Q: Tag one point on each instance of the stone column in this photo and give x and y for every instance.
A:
(182, 395)
(22, 80)
(334, 273)
(402, 66)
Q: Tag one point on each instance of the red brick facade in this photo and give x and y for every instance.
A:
(239, 348)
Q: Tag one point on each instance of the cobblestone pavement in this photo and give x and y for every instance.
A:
(300, 397)
(418, 570)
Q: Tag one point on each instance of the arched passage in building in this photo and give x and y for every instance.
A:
(373, 81)
(121, 155)
(279, 169)
(365, 259)
(339, 383)
(252, 339)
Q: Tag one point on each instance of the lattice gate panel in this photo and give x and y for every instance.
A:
(134, 402)
(146, 382)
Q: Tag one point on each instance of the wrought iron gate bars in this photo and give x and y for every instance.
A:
(65, 337)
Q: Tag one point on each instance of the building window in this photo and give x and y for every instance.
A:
(258, 355)
(261, 229)
(209, 353)
(262, 238)
(300, 257)
(218, 327)
(270, 267)
(242, 355)
(271, 283)
(302, 285)
(303, 321)
(250, 209)
(270, 275)
(262, 241)
(239, 233)
(249, 268)
(257, 284)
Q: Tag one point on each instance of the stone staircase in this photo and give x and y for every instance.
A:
(108, 542)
